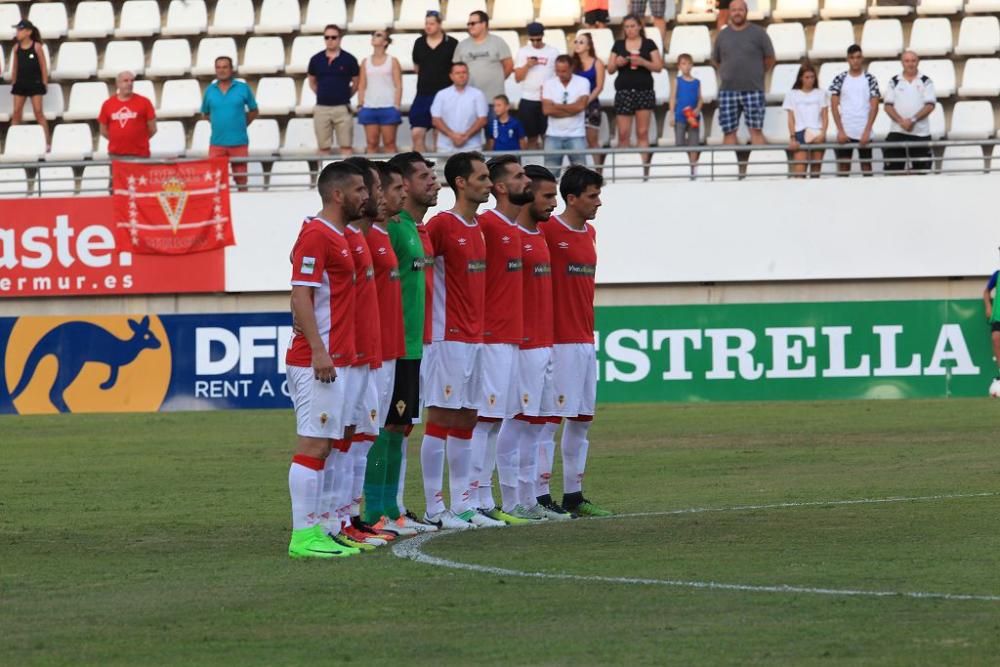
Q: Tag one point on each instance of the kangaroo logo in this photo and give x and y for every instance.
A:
(95, 367)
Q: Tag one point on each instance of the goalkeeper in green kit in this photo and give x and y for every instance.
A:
(386, 470)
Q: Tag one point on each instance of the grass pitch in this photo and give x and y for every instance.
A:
(160, 539)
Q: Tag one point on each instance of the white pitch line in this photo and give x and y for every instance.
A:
(412, 549)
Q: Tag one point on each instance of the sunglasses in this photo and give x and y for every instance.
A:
(534, 38)
(565, 97)
(472, 23)
(331, 38)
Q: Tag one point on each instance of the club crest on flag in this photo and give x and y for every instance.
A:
(173, 199)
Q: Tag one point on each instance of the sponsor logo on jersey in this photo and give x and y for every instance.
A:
(418, 264)
(462, 241)
(563, 244)
(505, 239)
(369, 272)
(393, 274)
(542, 269)
(514, 264)
(477, 265)
(581, 269)
(308, 265)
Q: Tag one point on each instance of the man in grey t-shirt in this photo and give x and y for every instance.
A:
(487, 56)
(743, 54)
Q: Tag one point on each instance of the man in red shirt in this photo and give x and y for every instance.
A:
(503, 330)
(321, 381)
(452, 367)
(127, 120)
(572, 243)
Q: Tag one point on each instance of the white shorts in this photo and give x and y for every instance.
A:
(535, 389)
(385, 382)
(323, 409)
(574, 379)
(499, 397)
(366, 416)
(452, 373)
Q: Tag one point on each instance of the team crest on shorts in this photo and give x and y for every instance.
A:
(374, 414)
(323, 418)
(400, 407)
(525, 399)
(447, 391)
(561, 400)
(493, 400)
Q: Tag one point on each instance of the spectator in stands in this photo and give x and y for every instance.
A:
(534, 65)
(380, 95)
(564, 101)
(590, 67)
(722, 14)
(333, 76)
(743, 54)
(685, 109)
(854, 96)
(807, 121)
(29, 74)
(459, 112)
(127, 120)
(658, 8)
(909, 100)
(635, 58)
(230, 107)
(432, 55)
(487, 56)
(504, 133)
(595, 13)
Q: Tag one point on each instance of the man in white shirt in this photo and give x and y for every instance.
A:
(534, 65)
(854, 96)
(909, 100)
(564, 99)
(459, 113)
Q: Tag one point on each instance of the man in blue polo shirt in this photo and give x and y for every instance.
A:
(333, 76)
(230, 106)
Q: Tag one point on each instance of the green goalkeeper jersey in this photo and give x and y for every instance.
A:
(409, 250)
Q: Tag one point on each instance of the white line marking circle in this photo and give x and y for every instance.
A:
(412, 549)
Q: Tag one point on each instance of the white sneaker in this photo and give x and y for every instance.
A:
(446, 520)
(416, 526)
(480, 520)
(396, 527)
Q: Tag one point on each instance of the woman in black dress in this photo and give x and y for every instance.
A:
(29, 74)
(635, 58)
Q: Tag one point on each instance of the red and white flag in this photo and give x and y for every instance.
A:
(172, 208)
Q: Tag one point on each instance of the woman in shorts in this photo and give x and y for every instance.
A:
(380, 93)
(807, 121)
(589, 66)
(635, 58)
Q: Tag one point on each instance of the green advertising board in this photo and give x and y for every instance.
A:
(793, 351)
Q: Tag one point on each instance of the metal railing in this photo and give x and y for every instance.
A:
(618, 165)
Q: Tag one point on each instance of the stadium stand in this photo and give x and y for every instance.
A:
(789, 40)
(124, 55)
(93, 20)
(186, 17)
(139, 18)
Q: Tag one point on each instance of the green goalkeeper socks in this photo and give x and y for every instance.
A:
(375, 477)
(393, 463)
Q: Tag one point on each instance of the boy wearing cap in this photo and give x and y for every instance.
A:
(534, 65)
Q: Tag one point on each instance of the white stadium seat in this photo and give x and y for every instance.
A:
(697, 11)
(71, 141)
(307, 100)
(603, 39)
(789, 40)
(982, 6)
(970, 120)
(102, 148)
(882, 38)
(931, 37)
(139, 18)
(169, 140)
(24, 143)
(775, 125)
(170, 58)
(304, 47)
(758, 10)
(14, 181)
(232, 17)
(942, 73)
(883, 70)
(211, 48)
(962, 158)
(709, 82)
(559, 12)
(511, 37)
(782, 78)
(892, 10)
(145, 88)
(300, 138)
(978, 36)
(371, 15)
(939, 7)
(85, 100)
(413, 12)
(661, 86)
(9, 15)
(263, 55)
(56, 181)
(843, 9)
(360, 46)
(75, 60)
(512, 89)
(459, 10)
(290, 174)
(53, 104)
(556, 37)
(96, 177)
(200, 139)
(409, 92)
(320, 13)
(265, 139)
(179, 98)
(693, 39)
(981, 78)
(276, 95)
(607, 95)
(279, 17)
(122, 56)
(831, 39)
(50, 18)
(186, 17)
(795, 9)
(512, 14)
(936, 120)
(402, 49)
(93, 20)
(827, 72)
(6, 103)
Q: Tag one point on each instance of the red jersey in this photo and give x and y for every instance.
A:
(322, 259)
(390, 293)
(573, 254)
(127, 121)
(504, 316)
(459, 278)
(537, 281)
(367, 341)
(428, 280)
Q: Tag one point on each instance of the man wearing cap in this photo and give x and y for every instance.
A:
(127, 120)
(487, 56)
(534, 65)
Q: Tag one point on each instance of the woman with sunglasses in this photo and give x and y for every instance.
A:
(589, 66)
(380, 95)
(635, 58)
